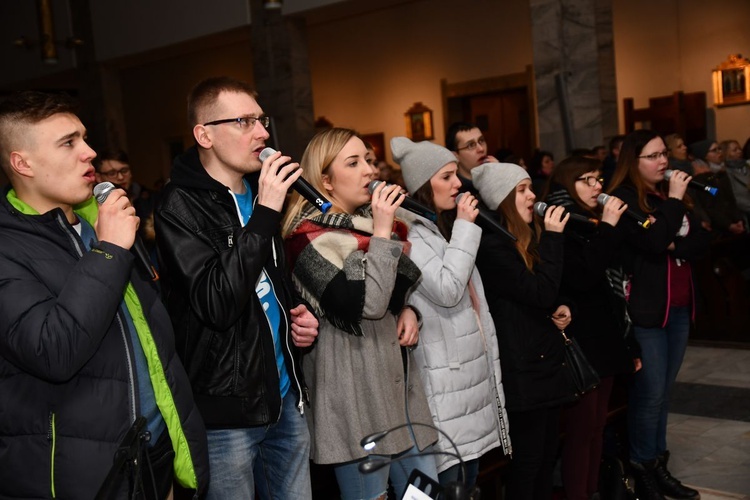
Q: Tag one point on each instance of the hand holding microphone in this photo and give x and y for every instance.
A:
(556, 217)
(118, 224)
(607, 201)
(679, 180)
(386, 198)
(488, 220)
(276, 177)
(467, 207)
(289, 175)
(408, 203)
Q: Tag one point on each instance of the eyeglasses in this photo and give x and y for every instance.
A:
(472, 145)
(656, 156)
(246, 122)
(591, 180)
(713, 150)
(112, 174)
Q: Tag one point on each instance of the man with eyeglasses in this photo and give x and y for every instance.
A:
(469, 146)
(114, 167)
(238, 322)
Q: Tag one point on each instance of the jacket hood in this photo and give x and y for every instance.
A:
(189, 172)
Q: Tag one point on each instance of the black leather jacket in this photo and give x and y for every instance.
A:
(210, 266)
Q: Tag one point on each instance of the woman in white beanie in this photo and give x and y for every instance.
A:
(457, 353)
(522, 281)
(351, 265)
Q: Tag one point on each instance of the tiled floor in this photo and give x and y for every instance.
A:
(713, 454)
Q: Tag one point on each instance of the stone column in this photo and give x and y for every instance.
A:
(574, 73)
(282, 77)
(99, 87)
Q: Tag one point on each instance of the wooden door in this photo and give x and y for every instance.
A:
(502, 116)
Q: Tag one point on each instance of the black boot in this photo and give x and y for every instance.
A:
(668, 485)
(645, 483)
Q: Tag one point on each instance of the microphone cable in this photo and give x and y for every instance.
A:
(370, 441)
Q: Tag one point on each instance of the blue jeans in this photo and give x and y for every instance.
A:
(451, 474)
(662, 351)
(271, 459)
(355, 485)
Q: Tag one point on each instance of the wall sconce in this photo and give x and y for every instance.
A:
(271, 4)
(731, 81)
(47, 42)
(419, 123)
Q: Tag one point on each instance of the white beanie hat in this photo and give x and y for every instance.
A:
(495, 181)
(419, 161)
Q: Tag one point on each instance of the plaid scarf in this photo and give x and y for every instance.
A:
(328, 241)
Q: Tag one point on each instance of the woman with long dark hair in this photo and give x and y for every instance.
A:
(352, 266)
(522, 284)
(660, 301)
(601, 323)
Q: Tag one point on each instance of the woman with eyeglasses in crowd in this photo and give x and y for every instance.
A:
(738, 171)
(601, 325)
(522, 283)
(660, 302)
(720, 208)
(351, 264)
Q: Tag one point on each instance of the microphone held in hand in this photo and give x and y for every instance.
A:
(695, 184)
(489, 220)
(101, 193)
(409, 204)
(641, 220)
(540, 208)
(304, 188)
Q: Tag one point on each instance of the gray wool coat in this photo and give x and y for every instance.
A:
(357, 384)
(459, 362)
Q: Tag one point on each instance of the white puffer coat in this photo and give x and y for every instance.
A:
(459, 362)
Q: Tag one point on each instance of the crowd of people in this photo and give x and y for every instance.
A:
(370, 338)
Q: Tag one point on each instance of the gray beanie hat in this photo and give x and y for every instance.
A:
(419, 160)
(495, 181)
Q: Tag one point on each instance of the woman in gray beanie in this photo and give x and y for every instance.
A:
(522, 281)
(457, 355)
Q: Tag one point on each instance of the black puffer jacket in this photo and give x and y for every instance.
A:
(210, 265)
(521, 302)
(646, 254)
(68, 389)
(599, 324)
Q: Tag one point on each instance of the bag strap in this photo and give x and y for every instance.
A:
(567, 340)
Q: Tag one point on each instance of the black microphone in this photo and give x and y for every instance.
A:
(303, 187)
(490, 220)
(642, 221)
(697, 185)
(101, 192)
(540, 208)
(409, 204)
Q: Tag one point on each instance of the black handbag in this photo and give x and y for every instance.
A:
(584, 375)
(614, 482)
